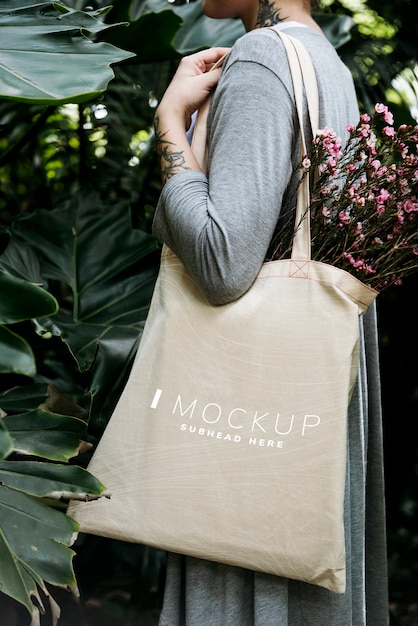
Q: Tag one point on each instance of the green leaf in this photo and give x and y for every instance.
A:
(65, 65)
(22, 300)
(23, 264)
(51, 480)
(6, 442)
(35, 537)
(176, 30)
(38, 535)
(200, 31)
(110, 269)
(159, 47)
(48, 435)
(106, 263)
(21, 399)
(16, 356)
(14, 580)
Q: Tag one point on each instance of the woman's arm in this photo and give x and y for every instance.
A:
(221, 226)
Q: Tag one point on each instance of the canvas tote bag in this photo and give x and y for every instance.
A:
(229, 440)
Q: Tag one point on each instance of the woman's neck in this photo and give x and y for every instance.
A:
(271, 12)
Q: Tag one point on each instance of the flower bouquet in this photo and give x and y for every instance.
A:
(364, 200)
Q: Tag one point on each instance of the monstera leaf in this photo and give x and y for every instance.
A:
(21, 300)
(35, 533)
(6, 442)
(35, 539)
(108, 270)
(47, 55)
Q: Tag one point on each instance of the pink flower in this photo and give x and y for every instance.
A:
(364, 130)
(389, 131)
(380, 108)
(360, 264)
(344, 217)
(383, 196)
(410, 206)
(387, 115)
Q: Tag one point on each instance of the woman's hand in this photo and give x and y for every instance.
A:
(191, 85)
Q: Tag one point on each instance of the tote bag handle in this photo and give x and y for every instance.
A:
(303, 74)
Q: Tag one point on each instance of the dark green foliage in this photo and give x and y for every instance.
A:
(78, 187)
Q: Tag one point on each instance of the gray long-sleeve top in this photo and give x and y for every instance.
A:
(221, 225)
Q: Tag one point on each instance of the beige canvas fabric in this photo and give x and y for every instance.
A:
(229, 440)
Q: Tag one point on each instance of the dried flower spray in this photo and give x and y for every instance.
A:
(364, 200)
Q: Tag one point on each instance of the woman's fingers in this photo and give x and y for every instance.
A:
(203, 61)
(191, 84)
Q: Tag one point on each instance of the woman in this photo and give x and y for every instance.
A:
(221, 226)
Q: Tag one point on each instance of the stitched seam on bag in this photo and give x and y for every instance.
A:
(322, 282)
(299, 269)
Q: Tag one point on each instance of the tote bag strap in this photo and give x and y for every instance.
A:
(303, 74)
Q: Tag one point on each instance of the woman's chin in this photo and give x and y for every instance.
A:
(220, 9)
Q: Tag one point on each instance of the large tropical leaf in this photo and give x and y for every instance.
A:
(50, 480)
(48, 435)
(16, 355)
(20, 300)
(23, 300)
(6, 442)
(16, 580)
(35, 538)
(34, 547)
(109, 270)
(20, 399)
(163, 24)
(47, 56)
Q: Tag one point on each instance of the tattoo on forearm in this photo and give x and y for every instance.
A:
(172, 159)
(268, 14)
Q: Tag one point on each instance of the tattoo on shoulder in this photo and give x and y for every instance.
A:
(268, 14)
(172, 159)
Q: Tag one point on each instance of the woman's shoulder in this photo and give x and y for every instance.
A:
(255, 46)
(264, 46)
